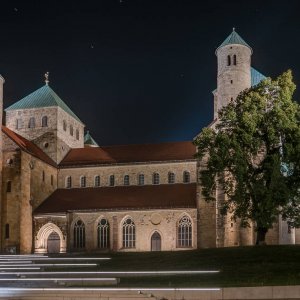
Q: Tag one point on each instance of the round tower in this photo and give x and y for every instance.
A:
(234, 69)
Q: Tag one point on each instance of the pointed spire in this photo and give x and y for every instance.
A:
(233, 38)
(47, 78)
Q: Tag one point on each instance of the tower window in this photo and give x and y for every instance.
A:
(231, 81)
(31, 123)
(51, 179)
(77, 134)
(8, 187)
(234, 59)
(228, 60)
(19, 124)
(7, 231)
(71, 130)
(44, 121)
(64, 125)
(43, 175)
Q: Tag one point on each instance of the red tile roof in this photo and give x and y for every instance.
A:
(130, 153)
(120, 197)
(28, 146)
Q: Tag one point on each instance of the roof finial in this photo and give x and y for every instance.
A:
(47, 78)
(233, 28)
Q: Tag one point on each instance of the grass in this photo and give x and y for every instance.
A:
(239, 266)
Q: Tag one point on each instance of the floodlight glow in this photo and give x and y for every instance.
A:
(57, 279)
(7, 289)
(20, 268)
(52, 265)
(71, 258)
(15, 262)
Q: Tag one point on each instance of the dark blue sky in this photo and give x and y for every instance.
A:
(139, 71)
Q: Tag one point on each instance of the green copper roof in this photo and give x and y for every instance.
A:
(234, 38)
(43, 97)
(88, 140)
(256, 77)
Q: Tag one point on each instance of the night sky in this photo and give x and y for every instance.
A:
(139, 71)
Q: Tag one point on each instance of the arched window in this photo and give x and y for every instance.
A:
(184, 229)
(103, 234)
(7, 231)
(43, 175)
(228, 60)
(97, 180)
(234, 59)
(51, 179)
(8, 187)
(128, 228)
(155, 178)
(186, 177)
(171, 177)
(77, 134)
(71, 130)
(83, 181)
(44, 121)
(79, 235)
(19, 124)
(126, 180)
(111, 180)
(64, 125)
(68, 182)
(31, 123)
(141, 179)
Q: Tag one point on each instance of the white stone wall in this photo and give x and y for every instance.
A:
(234, 78)
(146, 222)
(133, 170)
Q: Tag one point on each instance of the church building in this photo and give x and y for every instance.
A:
(62, 192)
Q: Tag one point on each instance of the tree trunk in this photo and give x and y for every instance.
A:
(261, 236)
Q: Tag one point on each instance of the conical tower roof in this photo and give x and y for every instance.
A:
(43, 97)
(234, 38)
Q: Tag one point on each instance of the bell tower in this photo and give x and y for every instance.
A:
(234, 70)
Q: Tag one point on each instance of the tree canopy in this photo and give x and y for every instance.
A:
(254, 154)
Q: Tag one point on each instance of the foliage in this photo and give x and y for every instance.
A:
(254, 155)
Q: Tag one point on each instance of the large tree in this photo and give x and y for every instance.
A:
(254, 155)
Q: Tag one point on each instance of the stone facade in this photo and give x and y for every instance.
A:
(28, 179)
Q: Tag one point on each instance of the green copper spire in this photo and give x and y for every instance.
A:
(234, 38)
(88, 140)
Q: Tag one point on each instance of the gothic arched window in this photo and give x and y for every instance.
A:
(128, 228)
(44, 121)
(79, 235)
(83, 181)
(155, 178)
(234, 59)
(103, 234)
(171, 177)
(141, 179)
(68, 182)
(184, 232)
(126, 180)
(228, 60)
(186, 177)
(97, 181)
(31, 123)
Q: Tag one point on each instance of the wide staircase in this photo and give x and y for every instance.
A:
(64, 278)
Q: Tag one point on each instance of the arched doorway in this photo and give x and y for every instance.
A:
(53, 243)
(155, 242)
